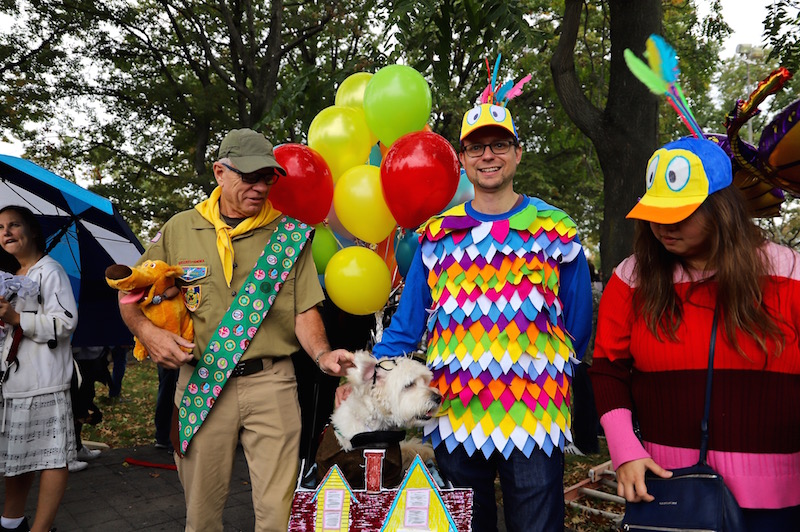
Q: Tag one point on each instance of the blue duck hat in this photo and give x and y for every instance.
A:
(680, 176)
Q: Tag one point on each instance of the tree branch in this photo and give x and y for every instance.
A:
(580, 110)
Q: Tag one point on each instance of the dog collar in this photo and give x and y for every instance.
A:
(169, 293)
(377, 438)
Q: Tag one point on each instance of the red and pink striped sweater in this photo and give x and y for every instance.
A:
(755, 412)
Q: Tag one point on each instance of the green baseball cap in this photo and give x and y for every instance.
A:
(249, 151)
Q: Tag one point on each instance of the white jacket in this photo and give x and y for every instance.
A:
(53, 315)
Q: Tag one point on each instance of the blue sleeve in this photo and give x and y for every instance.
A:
(576, 298)
(408, 322)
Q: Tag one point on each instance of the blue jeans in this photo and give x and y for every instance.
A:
(533, 488)
(165, 402)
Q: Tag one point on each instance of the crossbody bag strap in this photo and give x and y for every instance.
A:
(709, 375)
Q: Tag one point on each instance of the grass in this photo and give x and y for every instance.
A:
(129, 423)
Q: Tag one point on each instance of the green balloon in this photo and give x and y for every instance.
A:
(397, 101)
(323, 247)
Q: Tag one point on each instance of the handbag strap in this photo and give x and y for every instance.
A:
(709, 375)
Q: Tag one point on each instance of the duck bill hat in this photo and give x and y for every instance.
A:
(249, 151)
(487, 114)
(680, 176)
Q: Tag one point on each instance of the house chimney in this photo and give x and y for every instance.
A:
(374, 469)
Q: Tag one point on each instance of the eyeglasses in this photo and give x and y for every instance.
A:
(498, 148)
(251, 178)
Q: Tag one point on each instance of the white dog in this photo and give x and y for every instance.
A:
(385, 396)
(393, 393)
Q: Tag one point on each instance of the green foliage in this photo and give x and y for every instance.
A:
(35, 43)
(167, 79)
(782, 30)
(133, 98)
(451, 41)
(786, 228)
(736, 78)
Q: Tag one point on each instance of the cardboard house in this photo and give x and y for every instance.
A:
(417, 504)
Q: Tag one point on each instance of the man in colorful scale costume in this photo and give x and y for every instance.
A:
(502, 287)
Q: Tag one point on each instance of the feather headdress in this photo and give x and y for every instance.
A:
(751, 172)
(660, 75)
(500, 95)
(491, 111)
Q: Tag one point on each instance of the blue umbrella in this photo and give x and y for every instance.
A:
(86, 234)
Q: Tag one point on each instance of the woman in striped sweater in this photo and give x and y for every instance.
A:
(695, 250)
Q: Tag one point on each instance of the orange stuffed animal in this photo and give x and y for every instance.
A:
(151, 285)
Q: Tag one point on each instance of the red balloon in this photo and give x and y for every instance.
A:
(306, 193)
(419, 175)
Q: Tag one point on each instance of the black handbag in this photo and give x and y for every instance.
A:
(694, 498)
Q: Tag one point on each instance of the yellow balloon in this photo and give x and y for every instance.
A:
(359, 204)
(373, 139)
(351, 92)
(358, 281)
(341, 136)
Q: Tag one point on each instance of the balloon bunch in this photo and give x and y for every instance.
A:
(372, 170)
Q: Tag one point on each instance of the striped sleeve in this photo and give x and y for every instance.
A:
(612, 362)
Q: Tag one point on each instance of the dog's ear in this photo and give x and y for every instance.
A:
(174, 271)
(365, 366)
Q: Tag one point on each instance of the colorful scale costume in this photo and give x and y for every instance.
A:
(497, 343)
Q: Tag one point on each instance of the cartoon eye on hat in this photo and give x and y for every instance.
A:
(680, 176)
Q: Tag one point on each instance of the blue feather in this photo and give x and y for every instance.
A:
(501, 92)
(668, 59)
(494, 74)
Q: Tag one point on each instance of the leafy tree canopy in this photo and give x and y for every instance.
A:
(135, 97)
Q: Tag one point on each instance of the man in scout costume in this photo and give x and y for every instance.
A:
(501, 286)
(236, 380)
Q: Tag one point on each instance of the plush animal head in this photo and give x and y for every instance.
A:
(150, 279)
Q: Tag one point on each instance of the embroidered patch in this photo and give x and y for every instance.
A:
(191, 297)
(156, 238)
(193, 273)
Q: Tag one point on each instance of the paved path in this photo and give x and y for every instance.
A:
(111, 495)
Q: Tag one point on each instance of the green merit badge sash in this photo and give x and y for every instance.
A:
(239, 325)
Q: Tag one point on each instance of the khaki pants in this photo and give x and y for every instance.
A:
(262, 410)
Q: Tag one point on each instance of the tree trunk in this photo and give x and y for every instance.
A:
(625, 133)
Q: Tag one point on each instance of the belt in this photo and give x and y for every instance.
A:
(243, 368)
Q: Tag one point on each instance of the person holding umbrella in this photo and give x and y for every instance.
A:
(37, 432)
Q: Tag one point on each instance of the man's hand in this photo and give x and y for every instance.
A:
(167, 349)
(342, 393)
(630, 479)
(336, 362)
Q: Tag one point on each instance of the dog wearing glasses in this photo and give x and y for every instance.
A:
(387, 396)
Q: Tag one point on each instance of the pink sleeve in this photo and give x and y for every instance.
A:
(623, 445)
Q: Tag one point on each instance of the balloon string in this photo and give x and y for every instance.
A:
(338, 243)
